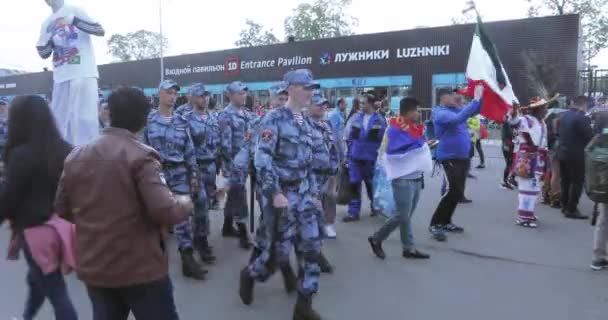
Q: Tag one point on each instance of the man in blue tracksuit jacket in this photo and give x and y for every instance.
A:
(364, 131)
(450, 124)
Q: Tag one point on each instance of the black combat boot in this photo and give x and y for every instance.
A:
(243, 236)
(204, 250)
(190, 268)
(324, 264)
(246, 287)
(303, 309)
(228, 229)
(290, 281)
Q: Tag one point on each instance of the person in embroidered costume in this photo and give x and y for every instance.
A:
(530, 159)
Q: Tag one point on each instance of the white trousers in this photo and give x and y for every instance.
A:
(75, 106)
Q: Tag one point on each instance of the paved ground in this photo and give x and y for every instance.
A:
(495, 270)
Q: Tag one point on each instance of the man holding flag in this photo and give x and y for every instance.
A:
(450, 123)
(486, 76)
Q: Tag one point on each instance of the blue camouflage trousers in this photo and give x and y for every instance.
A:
(201, 212)
(262, 238)
(208, 171)
(178, 181)
(236, 203)
(296, 227)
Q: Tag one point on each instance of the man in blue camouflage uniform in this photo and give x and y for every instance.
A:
(169, 134)
(283, 160)
(278, 98)
(205, 137)
(187, 107)
(234, 125)
(326, 159)
(3, 132)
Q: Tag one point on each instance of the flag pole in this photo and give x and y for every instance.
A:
(160, 22)
(471, 6)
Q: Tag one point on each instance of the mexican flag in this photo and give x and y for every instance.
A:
(484, 67)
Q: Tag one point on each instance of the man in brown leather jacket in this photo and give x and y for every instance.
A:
(114, 191)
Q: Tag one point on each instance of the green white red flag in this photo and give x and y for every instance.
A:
(485, 68)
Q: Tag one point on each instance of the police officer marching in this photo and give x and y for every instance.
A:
(265, 226)
(169, 134)
(234, 124)
(326, 159)
(283, 162)
(205, 137)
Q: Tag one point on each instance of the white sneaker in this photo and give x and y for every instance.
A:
(330, 231)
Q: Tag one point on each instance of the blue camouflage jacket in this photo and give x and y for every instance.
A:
(325, 152)
(172, 141)
(234, 125)
(284, 153)
(183, 109)
(205, 135)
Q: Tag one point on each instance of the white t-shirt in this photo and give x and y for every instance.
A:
(366, 118)
(73, 55)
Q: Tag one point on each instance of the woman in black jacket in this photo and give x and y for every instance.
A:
(34, 155)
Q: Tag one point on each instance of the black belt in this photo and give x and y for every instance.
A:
(323, 172)
(290, 184)
(171, 165)
(205, 161)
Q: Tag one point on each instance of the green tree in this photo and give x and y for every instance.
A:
(254, 35)
(594, 19)
(321, 19)
(137, 45)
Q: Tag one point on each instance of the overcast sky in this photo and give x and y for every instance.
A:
(202, 25)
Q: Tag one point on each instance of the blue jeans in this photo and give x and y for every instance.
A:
(149, 301)
(406, 194)
(50, 286)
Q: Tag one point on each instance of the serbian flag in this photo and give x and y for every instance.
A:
(406, 151)
(484, 67)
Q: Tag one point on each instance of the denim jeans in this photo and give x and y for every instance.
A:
(149, 301)
(406, 193)
(50, 286)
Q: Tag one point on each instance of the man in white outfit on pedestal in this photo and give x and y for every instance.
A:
(66, 35)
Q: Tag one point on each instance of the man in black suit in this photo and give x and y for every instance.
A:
(575, 132)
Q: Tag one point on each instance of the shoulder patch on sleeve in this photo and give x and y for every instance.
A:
(266, 135)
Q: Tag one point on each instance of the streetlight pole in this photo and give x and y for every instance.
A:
(162, 58)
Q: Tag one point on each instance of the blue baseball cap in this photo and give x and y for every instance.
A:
(4, 101)
(235, 87)
(168, 84)
(301, 77)
(198, 90)
(318, 100)
(277, 88)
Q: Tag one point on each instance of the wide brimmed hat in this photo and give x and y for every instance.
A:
(537, 102)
